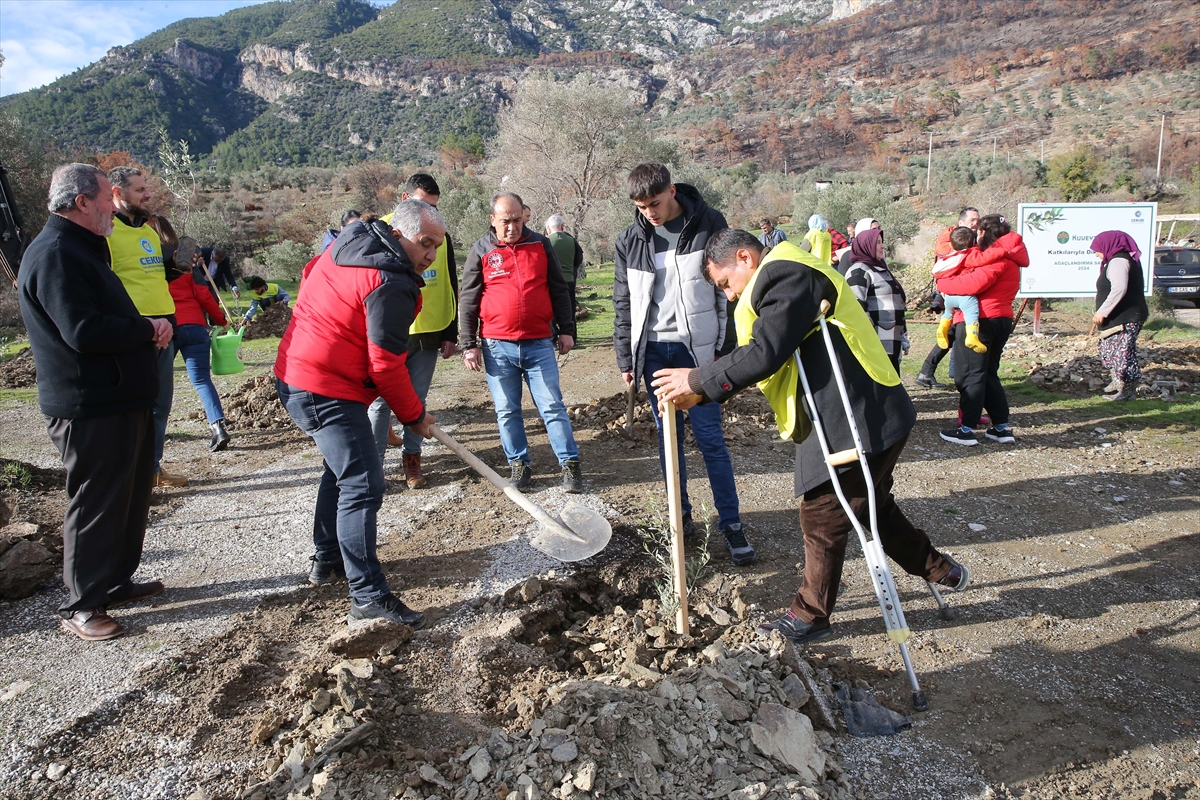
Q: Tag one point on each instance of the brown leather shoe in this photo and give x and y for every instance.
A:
(93, 626)
(394, 439)
(412, 470)
(133, 592)
(164, 478)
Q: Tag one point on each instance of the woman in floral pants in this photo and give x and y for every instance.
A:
(1120, 310)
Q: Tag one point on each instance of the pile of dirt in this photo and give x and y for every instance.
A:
(268, 323)
(255, 406)
(30, 552)
(747, 419)
(19, 372)
(1072, 365)
(600, 701)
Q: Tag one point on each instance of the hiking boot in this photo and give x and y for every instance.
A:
(387, 607)
(412, 470)
(1003, 435)
(220, 436)
(796, 630)
(163, 478)
(572, 477)
(957, 578)
(1114, 385)
(522, 475)
(1128, 392)
(323, 573)
(739, 547)
(930, 382)
(960, 435)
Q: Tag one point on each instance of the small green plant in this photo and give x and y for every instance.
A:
(15, 475)
(656, 542)
(1049, 218)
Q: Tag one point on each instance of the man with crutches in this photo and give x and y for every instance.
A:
(779, 299)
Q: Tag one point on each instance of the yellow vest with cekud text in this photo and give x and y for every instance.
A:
(438, 304)
(138, 261)
(270, 290)
(822, 245)
(782, 389)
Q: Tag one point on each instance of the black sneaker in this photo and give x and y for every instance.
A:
(572, 477)
(960, 435)
(796, 630)
(957, 578)
(929, 382)
(387, 607)
(1002, 435)
(522, 475)
(323, 573)
(739, 547)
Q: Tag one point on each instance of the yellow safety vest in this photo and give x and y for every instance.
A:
(822, 245)
(138, 261)
(271, 290)
(438, 303)
(782, 389)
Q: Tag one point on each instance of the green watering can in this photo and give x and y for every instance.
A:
(227, 353)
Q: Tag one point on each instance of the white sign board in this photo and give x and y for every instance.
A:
(1058, 237)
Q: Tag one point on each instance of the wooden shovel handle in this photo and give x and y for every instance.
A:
(494, 478)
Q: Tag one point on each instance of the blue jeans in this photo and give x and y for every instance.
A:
(351, 489)
(506, 364)
(706, 427)
(194, 343)
(421, 363)
(966, 303)
(162, 403)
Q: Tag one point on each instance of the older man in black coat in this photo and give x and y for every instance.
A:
(97, 380)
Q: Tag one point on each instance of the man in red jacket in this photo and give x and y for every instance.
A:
(347, 344)
(513, 292)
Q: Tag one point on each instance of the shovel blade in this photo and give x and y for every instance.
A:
(591, 534)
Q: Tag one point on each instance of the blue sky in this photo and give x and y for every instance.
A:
(43, 40)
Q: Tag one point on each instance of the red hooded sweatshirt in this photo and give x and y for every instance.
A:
(993, 276)
(348, 337)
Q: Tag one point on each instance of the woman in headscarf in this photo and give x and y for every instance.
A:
(1120, 310)
(879, 293)
(817, 240)
(864, 224)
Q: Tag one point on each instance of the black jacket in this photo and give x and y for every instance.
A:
(787, 297)
(94, 352)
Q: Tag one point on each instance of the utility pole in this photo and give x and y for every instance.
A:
(1043, 159)
(993, 148)
(1161, 127)
(929, 164)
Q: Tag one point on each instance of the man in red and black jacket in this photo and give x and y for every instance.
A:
(347, 344)
(513, 294)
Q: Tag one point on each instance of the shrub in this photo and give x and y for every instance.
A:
(844, 204)
(286, 260)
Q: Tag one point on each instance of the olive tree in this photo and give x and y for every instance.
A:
(566, 148)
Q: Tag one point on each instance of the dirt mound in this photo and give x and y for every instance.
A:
(1072, 365)
(747, 418)
(271, 322)
(255, 406)
(18, 372)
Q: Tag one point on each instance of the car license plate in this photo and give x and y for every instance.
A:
(1179, 289)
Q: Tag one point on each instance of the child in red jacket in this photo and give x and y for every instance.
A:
(962, 239)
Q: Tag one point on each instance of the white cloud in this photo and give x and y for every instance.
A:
(47, 39)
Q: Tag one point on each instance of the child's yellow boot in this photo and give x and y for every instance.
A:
(943, 333)
(972, 338)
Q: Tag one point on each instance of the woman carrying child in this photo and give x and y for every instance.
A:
(1120, 310)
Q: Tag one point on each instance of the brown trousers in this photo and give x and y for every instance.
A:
(826, 531)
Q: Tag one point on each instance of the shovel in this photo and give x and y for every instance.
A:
(581, 533)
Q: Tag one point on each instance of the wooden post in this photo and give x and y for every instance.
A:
(675, 512)
(1037, 317)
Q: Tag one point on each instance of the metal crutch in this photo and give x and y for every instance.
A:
(881, 575)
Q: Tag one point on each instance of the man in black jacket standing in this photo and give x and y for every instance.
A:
(97, 371)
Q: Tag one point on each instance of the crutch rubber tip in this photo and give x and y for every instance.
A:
(920, 702)
(947, 613)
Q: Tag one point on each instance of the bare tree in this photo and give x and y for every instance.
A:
(565, 147)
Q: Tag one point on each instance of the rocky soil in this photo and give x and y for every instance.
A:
(19, 371)
(1069, 670)
(271, 321)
